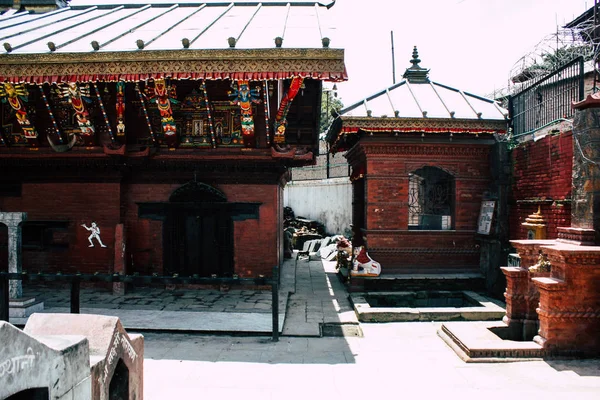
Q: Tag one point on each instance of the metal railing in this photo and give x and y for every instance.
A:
(547, 99)
(75, 281)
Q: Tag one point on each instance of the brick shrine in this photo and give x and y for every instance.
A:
(569, 295)
(421, 159)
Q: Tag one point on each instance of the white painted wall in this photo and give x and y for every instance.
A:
(328, 201)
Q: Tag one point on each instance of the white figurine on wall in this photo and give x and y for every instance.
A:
(95, 234)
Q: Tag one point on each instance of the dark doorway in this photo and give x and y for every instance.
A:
(119, 384)
(198, 233)
(3, 248)
(31, 394)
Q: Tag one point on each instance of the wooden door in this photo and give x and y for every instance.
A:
(198, 243)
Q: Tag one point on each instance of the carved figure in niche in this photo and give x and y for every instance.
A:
(543, 265)
(77, 97)
(227, 126)
(163, 95)
(244, 96)
(95, 234)
(15, 95)
(363, 265)
(120, 127)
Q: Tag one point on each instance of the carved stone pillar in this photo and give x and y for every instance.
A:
(585, 196)
(528, 295)
(569, 310)
(516, 304)
(13, 221)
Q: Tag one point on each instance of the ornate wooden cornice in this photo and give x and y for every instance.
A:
(463, 151)
(421, 124)
(325, 64)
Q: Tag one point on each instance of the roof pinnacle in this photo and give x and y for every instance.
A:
(416, 74)
(415, 58)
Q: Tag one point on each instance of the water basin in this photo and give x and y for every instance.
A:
(425, 306)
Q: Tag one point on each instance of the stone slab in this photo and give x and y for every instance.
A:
(21, 302)
(18, 309)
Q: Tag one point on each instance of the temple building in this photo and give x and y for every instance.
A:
(421, 155)
(159, 137)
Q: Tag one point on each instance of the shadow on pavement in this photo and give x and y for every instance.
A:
(588, 367)
(194, 347)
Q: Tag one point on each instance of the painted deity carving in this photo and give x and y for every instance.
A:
(15, 96)
(363, 264)
(163, 96)
(77, 97)
(244, 96)
(284, 107)
(120, 108)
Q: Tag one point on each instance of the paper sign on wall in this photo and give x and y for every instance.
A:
(486, 215)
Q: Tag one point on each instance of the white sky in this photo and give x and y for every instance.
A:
(470, 45)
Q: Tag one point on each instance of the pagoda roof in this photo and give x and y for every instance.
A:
(213, 40)
(417, 104)
(425, 100)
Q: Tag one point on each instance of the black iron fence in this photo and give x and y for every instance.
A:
(75, 282)
(547, 99)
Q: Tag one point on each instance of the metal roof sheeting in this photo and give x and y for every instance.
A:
(429, 100)
(208, 25)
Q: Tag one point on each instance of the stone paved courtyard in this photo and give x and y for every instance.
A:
(391, 361)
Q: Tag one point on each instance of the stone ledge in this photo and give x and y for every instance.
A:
(486, 311)
(475, 342)
(549, 283)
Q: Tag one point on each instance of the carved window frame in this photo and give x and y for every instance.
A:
(431, 199)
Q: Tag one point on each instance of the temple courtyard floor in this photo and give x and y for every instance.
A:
(209, 344)
(391, 361)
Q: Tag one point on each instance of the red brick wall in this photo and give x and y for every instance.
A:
(78, 203)
(542, 177)
(386, 205)
(255, 240)
(144, 236)
(256, 250)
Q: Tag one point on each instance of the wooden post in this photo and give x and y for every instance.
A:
(3, 297)
(275, 303)
(75, 295)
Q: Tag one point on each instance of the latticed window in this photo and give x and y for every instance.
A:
(430, 199)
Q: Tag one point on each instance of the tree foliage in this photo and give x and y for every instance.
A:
(329, 103)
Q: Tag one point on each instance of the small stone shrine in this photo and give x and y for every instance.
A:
(43, 367)
(116, 357)
(535, 225)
